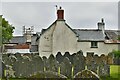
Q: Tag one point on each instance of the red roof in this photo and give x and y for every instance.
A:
(19, 46)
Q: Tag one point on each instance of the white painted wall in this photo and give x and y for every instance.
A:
(64, 39)
(60, 38)
(102, 48)
(45, 42)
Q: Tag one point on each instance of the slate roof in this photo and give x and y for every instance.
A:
(97, 35)
(22, 39)
(89, 35)
(112, 34)
(18, 39)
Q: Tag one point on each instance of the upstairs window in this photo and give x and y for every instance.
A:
(94, 44)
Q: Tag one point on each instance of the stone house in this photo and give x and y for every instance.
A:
(60, 37)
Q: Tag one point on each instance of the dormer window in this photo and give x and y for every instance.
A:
(94, 44)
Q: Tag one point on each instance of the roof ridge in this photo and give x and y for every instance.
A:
(87, 29)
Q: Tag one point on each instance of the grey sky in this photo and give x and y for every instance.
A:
(77, 14)
(59, 0)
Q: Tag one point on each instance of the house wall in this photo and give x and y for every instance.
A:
(64, 39)
(45, 42)
(102, 47)
(59, 38)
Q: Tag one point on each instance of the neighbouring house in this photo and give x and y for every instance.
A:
(60, 37)
(23, 44)
(17, 44)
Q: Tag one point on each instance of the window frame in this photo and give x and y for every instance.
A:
(94, 44)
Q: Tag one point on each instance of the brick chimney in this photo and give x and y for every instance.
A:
(60, 14)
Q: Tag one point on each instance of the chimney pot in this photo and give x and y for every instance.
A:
(102, 20)
(60, 14)
(60, 7)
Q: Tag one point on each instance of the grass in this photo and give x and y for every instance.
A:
(115, 71)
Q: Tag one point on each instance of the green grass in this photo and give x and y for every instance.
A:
(115, 71)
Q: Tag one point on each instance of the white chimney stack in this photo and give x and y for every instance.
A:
(101, 26)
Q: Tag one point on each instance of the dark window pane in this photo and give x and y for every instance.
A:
(94, 44)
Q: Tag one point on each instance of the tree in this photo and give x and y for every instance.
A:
(6, 30)
(0, 30)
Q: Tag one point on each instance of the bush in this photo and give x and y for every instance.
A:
(116, 53)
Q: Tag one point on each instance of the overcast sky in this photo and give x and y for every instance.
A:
(43, 14)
